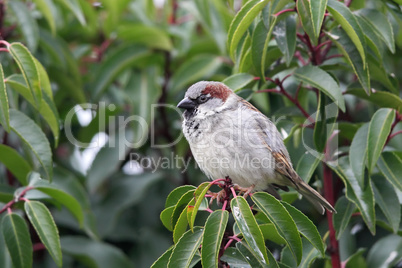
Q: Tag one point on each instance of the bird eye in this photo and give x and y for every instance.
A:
(202, 98)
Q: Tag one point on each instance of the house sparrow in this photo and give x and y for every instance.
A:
(230, 137)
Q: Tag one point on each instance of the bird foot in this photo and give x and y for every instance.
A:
(219, 196)
(245, 191)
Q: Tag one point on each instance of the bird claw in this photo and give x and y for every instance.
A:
(219, 196)
(244, 190)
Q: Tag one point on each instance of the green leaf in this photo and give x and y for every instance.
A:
(75, 8)
(344, 213)
(362, 197)
(349, 23)
(386, 198)
(94, 253)
(18, 240)
(306, 227)
(34, 138)
(114, 64)
(380, 98)
(47, 107)
(176, 194)
(270, 233)
(198, 197)
(4, 112)
(391, 166)
(44, 225)
(238, 81)
(181, 226)
(234, 258)
(282, 220)
(212, 239)
(249, 228)
(356, 260)
(318, 8)
(379, 129)
(285, 36)
(252, 258)
(29, 70)
(186, 248)
(320, 79)
(27, 23)
(193, 70)
(166, 217)
(242, 21)
(386, 252)
(15, 163)
(149, 36)
(44, 79)
(44, 7)
(306, 166)
(358, 154)
(304, 11)
(259, 45)
(181, 204)
(309, 254)
(163, 260)
(349, 50)
(380, 25)
(64, 198)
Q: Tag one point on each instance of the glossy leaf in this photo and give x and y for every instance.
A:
(44, 225)
(163, 260)
(349, 23)
(282, 220)
(27, 23)
(362, 197)
(356, 259)
(94, 253)
(349, 50)
(176, 194)
(199, 197)
(17, 239)
(192, 70)
(391, 166)
(249, 228)
(34, 138)
(242, 21)
(306, 227)
(317, 16)
(15, 163)
(238, 81)
(4, 110)
(285, 36)
(149, 36)
(380, 25)
(113, 65)
(310, 253)
(320, 79)
(386, 252)
(181, 226)
(380, 98)
(234, 258)
(252, 258)
(358, 154)
(29, 70)
(212, 239)
(306, 166)
(47, 107)
(380, 126)
(304, 12)
(269, 232)
(45, 8)
(64, 198)
(180, 205)
(259, 45)
(186, 248)
(166, 217)
(387, 200)
(344, 213)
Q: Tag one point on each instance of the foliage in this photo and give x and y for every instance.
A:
(76, 193)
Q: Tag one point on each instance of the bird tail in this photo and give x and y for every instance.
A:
(314, 197)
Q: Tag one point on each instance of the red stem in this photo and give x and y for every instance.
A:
(330, 196)
(334, 56)
(12, 202)
(4, 49)
(284, 11)
(38, 246)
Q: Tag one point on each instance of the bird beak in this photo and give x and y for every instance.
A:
(187, 103)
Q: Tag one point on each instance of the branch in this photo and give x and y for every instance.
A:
(284, 11)
(15, 200)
